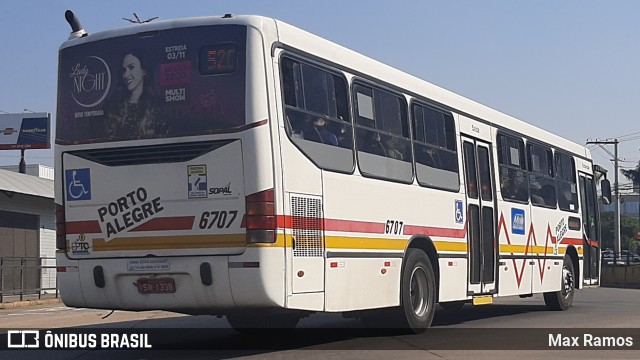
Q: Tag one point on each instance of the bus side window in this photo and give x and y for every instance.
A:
(382, 130)
(435, 148)
(514, 182)
(317, 113)
(566, 183)
(542, 185)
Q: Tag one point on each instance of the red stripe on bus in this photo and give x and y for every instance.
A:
(83, 227)
(577, 241)
(167, 223)
(353, 226)
(435, 231)
(288, 222)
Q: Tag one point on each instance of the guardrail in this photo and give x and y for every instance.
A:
(627, 259)
(27, 277)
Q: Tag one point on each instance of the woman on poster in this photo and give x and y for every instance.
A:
(135, 113)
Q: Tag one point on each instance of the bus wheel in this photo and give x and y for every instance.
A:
(418, 291)
(248, 322)
(561, 300)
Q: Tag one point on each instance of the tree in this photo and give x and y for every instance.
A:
(628, 228)
(633, 175)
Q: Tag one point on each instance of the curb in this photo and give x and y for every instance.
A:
(621, 286)
(20, 304)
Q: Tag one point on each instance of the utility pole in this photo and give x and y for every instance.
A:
(616, 216)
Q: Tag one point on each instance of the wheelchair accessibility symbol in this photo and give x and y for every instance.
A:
(459, 212)
(78, 184)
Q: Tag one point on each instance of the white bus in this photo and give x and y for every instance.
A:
(240, 166)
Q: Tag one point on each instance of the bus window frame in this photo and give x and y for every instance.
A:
(456, 137)
(576, 178)
(545, 147)
(373, 85)
(500, 133)
(328, 69)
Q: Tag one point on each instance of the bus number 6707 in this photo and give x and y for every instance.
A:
(221, 219)
(393, 227)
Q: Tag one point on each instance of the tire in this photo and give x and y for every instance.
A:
(563, 299)
(417, 291)
(251, 322)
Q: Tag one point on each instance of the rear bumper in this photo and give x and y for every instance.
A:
(254, 279)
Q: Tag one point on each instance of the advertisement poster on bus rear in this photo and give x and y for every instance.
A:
(168, 83)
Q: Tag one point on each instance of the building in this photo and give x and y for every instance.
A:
(27, 230)
(628, 205)
(41, 171)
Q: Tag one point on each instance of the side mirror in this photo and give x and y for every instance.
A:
(605, 186)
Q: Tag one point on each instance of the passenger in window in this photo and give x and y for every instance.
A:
(522, 191)
(486, 192)
(344, 136)
(429, 157)
(394, 149)
(549, 195)
(536, 196)
(373, 145)
(317, 131)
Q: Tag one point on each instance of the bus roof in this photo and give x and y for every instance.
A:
(348, 58)
(278, 32)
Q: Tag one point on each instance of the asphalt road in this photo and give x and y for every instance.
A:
(510, 328)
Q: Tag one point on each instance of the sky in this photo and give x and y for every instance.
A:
(571, 67)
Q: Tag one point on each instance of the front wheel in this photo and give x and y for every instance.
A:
(418, 291)
(561, 300)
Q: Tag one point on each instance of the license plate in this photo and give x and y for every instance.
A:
(156, 285)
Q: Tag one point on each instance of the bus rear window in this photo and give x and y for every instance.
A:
(176, 82)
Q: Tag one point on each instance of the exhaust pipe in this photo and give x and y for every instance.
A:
(76, 28)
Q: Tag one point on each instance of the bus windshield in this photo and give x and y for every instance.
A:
(168, 83)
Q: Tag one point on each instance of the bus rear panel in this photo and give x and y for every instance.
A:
(155, 141)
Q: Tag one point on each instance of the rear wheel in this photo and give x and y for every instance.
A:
(561, 300)
(418, 291)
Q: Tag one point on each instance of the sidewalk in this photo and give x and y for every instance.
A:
(13, 301)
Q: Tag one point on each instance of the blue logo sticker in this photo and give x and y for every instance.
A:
(78, 184)
(517, 221)
(459, 212)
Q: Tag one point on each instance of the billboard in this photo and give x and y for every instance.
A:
(25, 131)
(169, 83)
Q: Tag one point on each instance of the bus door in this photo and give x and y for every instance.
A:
(481, 222)
(590, 231)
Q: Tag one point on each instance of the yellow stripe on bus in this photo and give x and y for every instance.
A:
(170, 242)
(365, 243)
(532, 250)
(331, 242)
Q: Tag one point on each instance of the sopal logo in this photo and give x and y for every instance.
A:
(91, 81)
(224, 190)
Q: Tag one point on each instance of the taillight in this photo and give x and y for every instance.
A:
(261, 217)
(61, 228)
